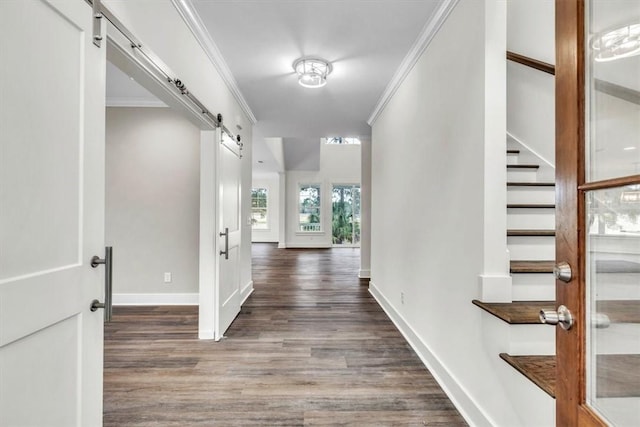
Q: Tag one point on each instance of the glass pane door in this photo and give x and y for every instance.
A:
(612, 206)
(346, 215)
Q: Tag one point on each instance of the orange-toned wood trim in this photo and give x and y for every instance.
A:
(569, 206)
(610, 183)
(530, 62)
(586, 417)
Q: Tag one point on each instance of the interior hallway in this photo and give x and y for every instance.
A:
(310, 347)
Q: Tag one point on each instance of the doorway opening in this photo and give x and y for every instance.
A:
(345, 218)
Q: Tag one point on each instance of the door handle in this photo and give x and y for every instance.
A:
(561, 317)
(108, 283)
(562, 271)
(226, 243)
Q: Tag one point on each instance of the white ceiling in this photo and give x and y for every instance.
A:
(366, 41)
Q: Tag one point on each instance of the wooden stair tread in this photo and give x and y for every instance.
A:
(523, 166)
(517, 312)
(618, 375)
(541, 370)
(531, 184)
(513, 151)
(532, 233)
(530, 206)
(527, 312)
(527, 266)
(620, 311)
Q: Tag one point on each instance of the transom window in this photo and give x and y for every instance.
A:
(338, 140)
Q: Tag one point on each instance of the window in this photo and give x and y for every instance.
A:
(309, 208)
(338, 140)
(259, 209)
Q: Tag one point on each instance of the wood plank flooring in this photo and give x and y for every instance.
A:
(310, 347)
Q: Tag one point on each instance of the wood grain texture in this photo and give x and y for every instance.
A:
(531, 184)
(617, 375)
(310, 347)
(530, 266)
(531, 233)
(532, 63)
(517, 312)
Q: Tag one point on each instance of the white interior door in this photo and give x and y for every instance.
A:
(228, 283)
(51, 214)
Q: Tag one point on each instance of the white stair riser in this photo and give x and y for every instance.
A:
(546, 195)
(532, 339)
(534, 219)
(522, 175)
(533, 287)
(617, 286)
(512, 159)
(532, 248)
(618, 338)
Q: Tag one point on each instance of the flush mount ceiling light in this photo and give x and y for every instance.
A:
(615, 44)
(312, 72)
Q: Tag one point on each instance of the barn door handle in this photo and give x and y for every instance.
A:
(108, 283)
(226, 243)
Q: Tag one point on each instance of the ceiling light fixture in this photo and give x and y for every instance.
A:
(615, 44)
(312, 72)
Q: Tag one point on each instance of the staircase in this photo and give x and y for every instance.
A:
(531, 243)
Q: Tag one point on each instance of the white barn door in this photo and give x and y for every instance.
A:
(51, 214)
(228, 284)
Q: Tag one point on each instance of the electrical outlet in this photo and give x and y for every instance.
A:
(402, 298)
(167, 277)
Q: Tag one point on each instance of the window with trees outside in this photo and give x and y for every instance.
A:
(309, 208)
(259, 209)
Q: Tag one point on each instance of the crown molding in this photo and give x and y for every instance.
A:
(189, 15)
(427, 34)
(133, 102)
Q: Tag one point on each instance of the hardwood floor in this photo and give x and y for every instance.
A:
(310, 347)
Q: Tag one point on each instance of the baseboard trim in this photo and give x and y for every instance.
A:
(535, 153)
(319, 245)
(465, 404)
(155, 299)
(364, 274)
(248, 290)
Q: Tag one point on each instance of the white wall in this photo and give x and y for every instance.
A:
(433, 156)
(152, 201)
(339, 164)
(270, 181)
(530, 92)
(171, 40)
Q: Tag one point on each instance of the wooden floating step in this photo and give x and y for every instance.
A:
(531, 184)
(531, 233)
(530, 206)
(517, 312)
(526, 266)
(527, 312)
(513, 151)
(541, 370)
(523, 166)
(617, 375)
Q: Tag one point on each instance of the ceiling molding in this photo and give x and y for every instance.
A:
(422, 42)
(133, 102)
(194, 22)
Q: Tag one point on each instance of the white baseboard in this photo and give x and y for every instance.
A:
(282, 245)
(309, 245)
(535, 153)
(465, 404)
(246, 291)
(364, 274)
(155, 299)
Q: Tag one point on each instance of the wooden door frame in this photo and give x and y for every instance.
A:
(571, 407)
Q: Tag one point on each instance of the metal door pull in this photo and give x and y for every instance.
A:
(108, 279)
(226, 243)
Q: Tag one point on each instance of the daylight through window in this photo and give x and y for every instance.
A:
(309, 208)
(259, 208)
